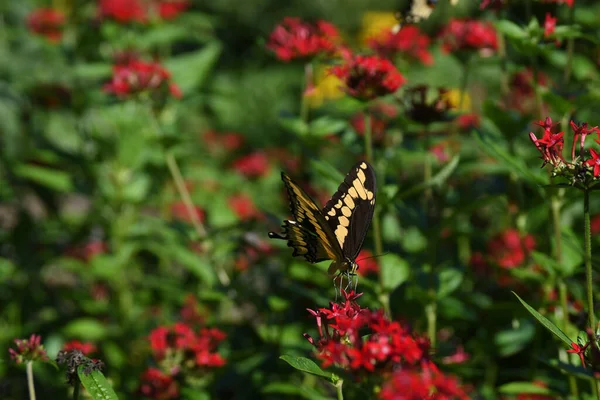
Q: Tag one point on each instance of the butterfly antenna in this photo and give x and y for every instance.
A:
(375, 256)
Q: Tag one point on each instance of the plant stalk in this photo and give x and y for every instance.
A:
(338, 389)
(30, 385)
(588, 260)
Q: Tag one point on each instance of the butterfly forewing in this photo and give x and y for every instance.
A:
(350, 210)
(308, 232)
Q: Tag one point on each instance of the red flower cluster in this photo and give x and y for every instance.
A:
(368, 77)
(139, 76)
(253, 165)
(549, 25)
(190, 311)
(155, 384)
(294, 38)
(507, 250)
(180, 212)
(551, 146)
(465, 34)
(47, 22)
(243, 207)
(408, 41)
(425, 384)
(199, 346)
(86, 348)
(468, 121)
(30, 349)
(125, 11)
(342, 340)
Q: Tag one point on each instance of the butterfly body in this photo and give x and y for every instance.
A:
(337, 231)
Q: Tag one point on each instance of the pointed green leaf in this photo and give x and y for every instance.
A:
(50, 178)
(523, 388)
(546, 322)
(308, 366)
(96, 385)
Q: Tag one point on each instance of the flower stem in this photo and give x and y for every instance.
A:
(338, 388)
(570, 48)
(76, 390)
(431, 313)
(588, 259)
(30, 385)
(308, 84)
(464, 84)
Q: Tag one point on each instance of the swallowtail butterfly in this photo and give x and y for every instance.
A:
(337, 231)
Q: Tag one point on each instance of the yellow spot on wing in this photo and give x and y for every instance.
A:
(346, 211)
(363, 165)
(344, 221)
(361, 176)
(352, 192)
(349, 202)
(359, 189)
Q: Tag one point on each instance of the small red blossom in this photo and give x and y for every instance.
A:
(139, 76)
(179, 211)
(30, 349)
(253, 165)
(367, 264)
(460, 356)
(170, 9)
(465, 34)
(88, 251)
(549, 25)
(155, 384)
(580, 351)
(510, 248)
(594, 162)
(47, 22)
(86, 348)
(243, 206)
(425, 383)
(123, 11)
(294, 38)
(440, 152)
(468, 121)
(595, 224)
(408, 41)
(368, 77)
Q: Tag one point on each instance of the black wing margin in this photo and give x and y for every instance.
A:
(350, 210)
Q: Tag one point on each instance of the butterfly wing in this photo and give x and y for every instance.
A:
(308, 233)
(350, 210)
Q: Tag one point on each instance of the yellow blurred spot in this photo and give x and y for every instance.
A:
(453, 97)
(327, 87)
(376, 24)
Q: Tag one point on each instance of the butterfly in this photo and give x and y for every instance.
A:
(418, 10)
(337, 231)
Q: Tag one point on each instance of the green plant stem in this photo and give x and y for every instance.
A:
(463, 84)
(588, 259)
(76, 390)
(338, 389)
(308, 83)
(431, 313)
(30, 385)
(570, 48)
(189, 205)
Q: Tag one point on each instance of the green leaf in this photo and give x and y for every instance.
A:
(96, 385)
(308, 366)
(294, 125)
(546, 322)
(513, 340)
(326, 125)
(574, 370)
(438, 180)
(86, 329)
(510, 29)
(191, 69)
(394, 270)
(51, 178)
(449, 280)
(584, 68)
(523, 388)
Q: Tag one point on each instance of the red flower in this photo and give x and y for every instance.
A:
(580, 351)
(595, 224)
(366, 263)
(226, 142)
(549, 25)
(170, 9)
(342, 342)
(594, 162)
(427, 383)
(123, 11)
(468, 121)
(88, 251)
(463, 34)
(180, 212)
(157, 385)
(30, 349)
(86, 348)
(408, 41)
(294, 38)
(510, 249)
(439, 151)
(460, 356)
(368, 77)
(252, 165)
(47, 22)
(243, 206)
(190, 313)
(138, 76)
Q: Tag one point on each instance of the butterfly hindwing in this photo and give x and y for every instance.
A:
(350, 210)
(308, 233)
